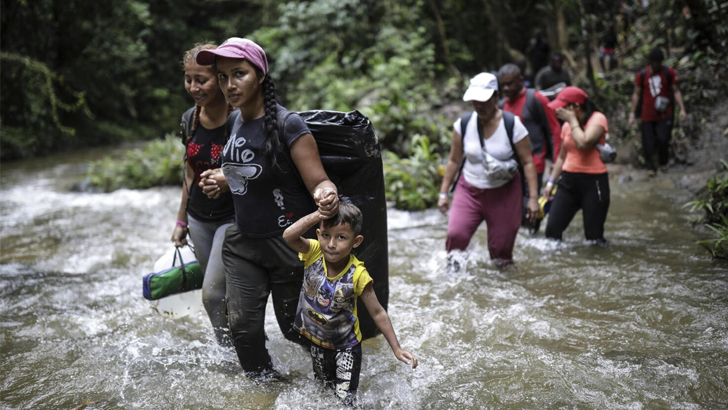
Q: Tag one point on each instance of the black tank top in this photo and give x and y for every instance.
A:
(204, 151)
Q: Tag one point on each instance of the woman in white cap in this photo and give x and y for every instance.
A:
(262, 162)
(487, 147)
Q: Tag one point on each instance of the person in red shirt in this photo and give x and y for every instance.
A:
(656, 88)
(540, 121)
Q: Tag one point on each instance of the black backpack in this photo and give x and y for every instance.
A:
(508, 120)
(535, 108)
(185, 133)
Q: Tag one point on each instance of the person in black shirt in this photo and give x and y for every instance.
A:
(205, 219)
(553, 74)
(272, 170)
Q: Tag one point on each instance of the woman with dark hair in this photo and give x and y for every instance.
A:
(273, 170)
(584, 180)
(205, 219)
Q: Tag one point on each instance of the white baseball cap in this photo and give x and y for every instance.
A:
(482, 87)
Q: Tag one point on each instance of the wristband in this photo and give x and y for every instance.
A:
(182, 224)
(551, 181)
(443, 195)
(631, 115)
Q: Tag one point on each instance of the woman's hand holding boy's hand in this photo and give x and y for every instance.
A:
(406, 357)
(327, 200)
(213, 183)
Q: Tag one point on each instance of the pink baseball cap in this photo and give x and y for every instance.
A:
(235, 47)
(569, 95)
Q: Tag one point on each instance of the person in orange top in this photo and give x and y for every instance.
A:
(584, 180)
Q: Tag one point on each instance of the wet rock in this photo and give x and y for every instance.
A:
(86, 186)
(693, 182)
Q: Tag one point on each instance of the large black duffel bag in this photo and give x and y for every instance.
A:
(352, 158)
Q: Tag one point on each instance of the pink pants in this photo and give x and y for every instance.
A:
(501, 209)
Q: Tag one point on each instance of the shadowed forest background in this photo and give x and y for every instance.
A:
(81, 73)
(78, 73)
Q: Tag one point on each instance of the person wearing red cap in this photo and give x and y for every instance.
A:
(260, 166)
(584, 181)
(203, 218)
(488, 144)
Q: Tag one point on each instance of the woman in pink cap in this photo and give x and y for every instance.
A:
(488, 145)
(273, 171)
(203, 218)
(584, 181)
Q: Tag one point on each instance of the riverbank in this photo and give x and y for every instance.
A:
(699, 162)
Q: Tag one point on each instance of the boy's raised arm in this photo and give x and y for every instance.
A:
(381, 318)
(293, 234)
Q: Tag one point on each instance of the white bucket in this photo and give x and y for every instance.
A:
(180, 304)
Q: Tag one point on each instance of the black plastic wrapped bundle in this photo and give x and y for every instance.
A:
(352, 158)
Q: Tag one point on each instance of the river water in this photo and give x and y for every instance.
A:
(640, 324)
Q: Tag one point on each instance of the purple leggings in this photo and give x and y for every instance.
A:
(501, 209)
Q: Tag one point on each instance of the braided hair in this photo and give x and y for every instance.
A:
(273, 144)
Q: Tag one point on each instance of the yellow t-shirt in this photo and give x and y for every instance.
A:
(327, 307)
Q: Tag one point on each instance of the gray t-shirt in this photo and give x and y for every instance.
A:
(266, 200)
(547, 77)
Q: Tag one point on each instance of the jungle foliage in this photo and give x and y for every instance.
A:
(91, 73)
(76, 73)
(712, 201)
(158, 163)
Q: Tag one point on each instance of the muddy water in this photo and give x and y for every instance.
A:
(641, 324)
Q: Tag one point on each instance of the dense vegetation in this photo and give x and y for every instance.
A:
(78, 73)
(712, 201)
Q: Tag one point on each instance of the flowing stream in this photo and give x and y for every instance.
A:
(640, 324)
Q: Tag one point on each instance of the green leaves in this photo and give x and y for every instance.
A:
(158, 163)
(412, 183)
(713, 201)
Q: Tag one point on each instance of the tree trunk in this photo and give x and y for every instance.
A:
(562, 31)
(443, 39)
(501, 42)
(587, 44)
(704, 25)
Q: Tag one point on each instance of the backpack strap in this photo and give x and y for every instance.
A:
(185, 125)
(638, 109)
(282, 115)
(464, 120)
(509, 120)
(536, 108)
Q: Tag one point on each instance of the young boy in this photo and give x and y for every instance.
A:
(327, 308)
